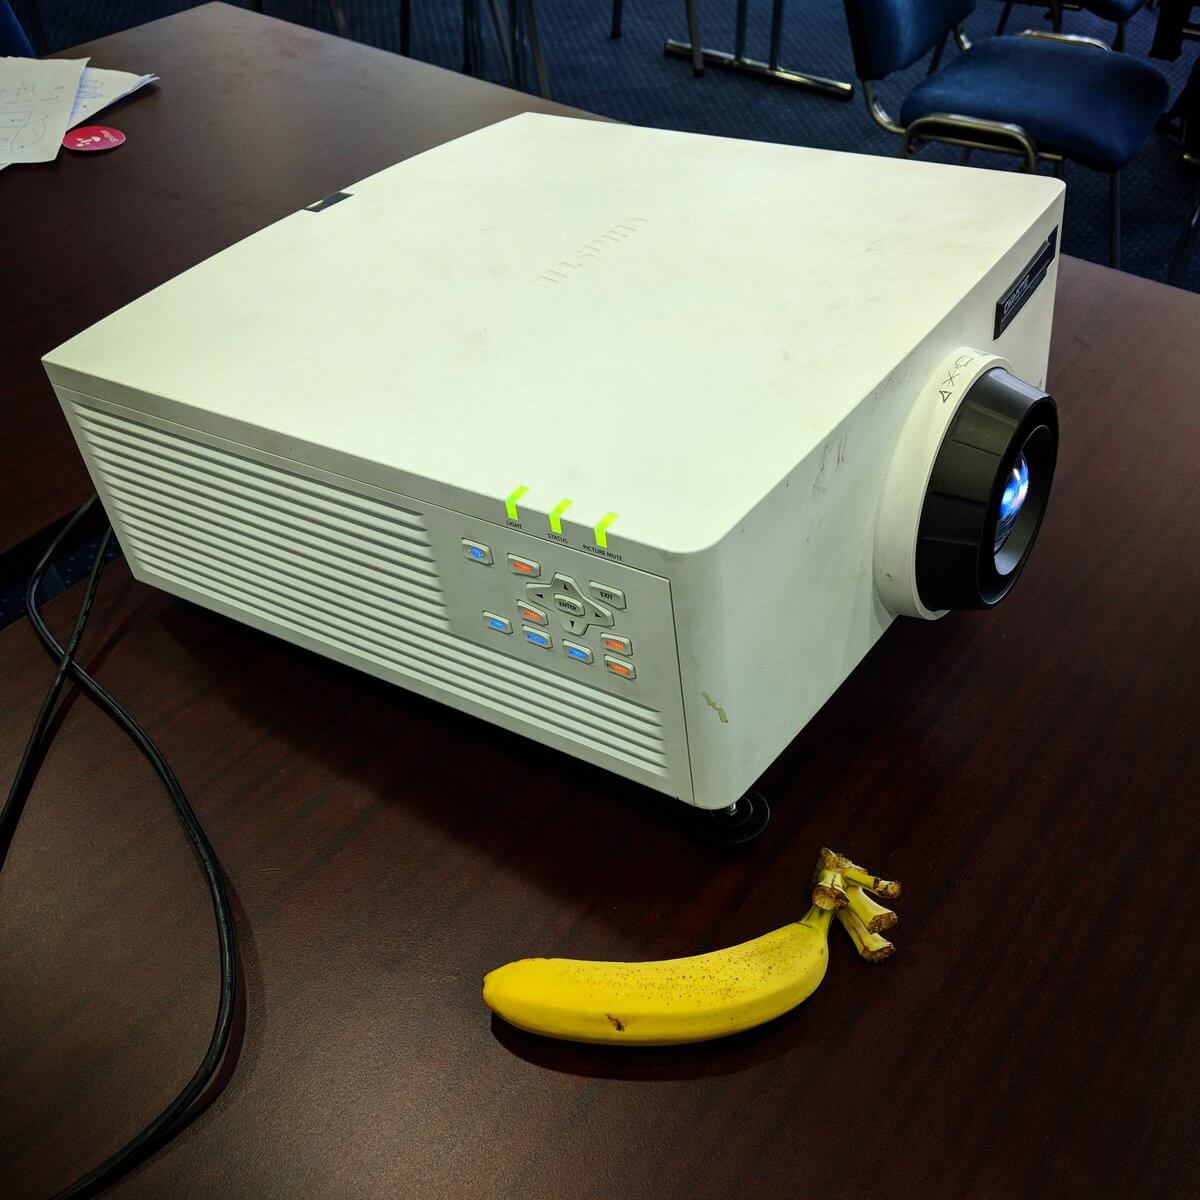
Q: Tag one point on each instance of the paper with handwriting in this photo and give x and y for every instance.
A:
(36, 99)
(99, 88)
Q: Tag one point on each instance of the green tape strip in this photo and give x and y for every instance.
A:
(510, 505)
(601, 530)
(556, 515)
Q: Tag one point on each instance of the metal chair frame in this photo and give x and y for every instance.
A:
(1056, 8)
(1190, 234)
(1001, 137)
(694, 48)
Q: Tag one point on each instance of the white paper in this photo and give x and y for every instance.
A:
(36, 98)
(99, 88)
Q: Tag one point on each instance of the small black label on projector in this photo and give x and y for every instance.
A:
(328, 202)
(1025, 284)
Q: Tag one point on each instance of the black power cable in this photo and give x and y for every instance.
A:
(35, 747)
(176, 1114)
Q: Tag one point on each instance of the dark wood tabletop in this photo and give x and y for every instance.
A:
(1032, 775)
(253, 119)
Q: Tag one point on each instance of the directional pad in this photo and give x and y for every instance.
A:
(576, 610)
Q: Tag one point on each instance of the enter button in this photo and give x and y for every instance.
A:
(568, 605)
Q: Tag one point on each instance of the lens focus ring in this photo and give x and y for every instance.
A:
(987, 493)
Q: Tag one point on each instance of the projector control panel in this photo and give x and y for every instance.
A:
(603, 623)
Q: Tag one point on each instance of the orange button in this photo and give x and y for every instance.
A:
(536, 616)
(617, 668)
(524, 566)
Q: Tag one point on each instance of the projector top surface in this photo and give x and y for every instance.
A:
(653, 323)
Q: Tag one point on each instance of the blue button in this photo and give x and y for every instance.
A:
(497, 622)
(576, 651)
(536, 637)
(477, 552)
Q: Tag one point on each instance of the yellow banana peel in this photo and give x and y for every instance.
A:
(692, 999)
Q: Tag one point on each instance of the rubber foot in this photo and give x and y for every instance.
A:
(735, 826)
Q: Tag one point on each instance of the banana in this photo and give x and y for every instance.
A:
(706, 996)
(665, 1003)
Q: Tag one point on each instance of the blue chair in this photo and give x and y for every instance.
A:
(13, 40)
(1045, 97)
(1113, 10)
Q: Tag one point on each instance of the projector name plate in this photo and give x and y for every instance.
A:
(1025, 284)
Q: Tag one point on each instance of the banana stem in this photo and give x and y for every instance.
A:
(874, 916)
(888, 888)
(869, 945)
(829, 890)
(831, 860)
(818, 918)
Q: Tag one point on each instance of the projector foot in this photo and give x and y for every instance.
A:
(736, 825)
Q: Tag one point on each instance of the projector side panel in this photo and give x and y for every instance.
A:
(773, 617)
(383, 582)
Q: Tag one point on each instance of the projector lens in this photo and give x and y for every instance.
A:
(1015, 491)
(987, 493)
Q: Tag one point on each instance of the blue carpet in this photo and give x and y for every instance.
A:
(631, 80)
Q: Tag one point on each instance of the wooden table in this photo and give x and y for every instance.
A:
(1031, 774)
(253, 119)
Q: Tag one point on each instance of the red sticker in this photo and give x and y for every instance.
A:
(93, 137)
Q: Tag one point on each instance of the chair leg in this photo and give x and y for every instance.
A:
(470, 44)
(618, 8)
(1114, 227)
(935, 59)
(1119, 42)
(500, 28)
(1004, 17)
(694, 37)
(535, 46)
(1187, 243)
(339, 18)
(405, 25)
(516, 70)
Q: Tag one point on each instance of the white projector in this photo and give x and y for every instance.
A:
(633, 442)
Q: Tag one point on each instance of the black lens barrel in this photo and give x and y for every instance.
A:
(957, 563)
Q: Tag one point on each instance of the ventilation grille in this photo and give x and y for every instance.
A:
(346, 570)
